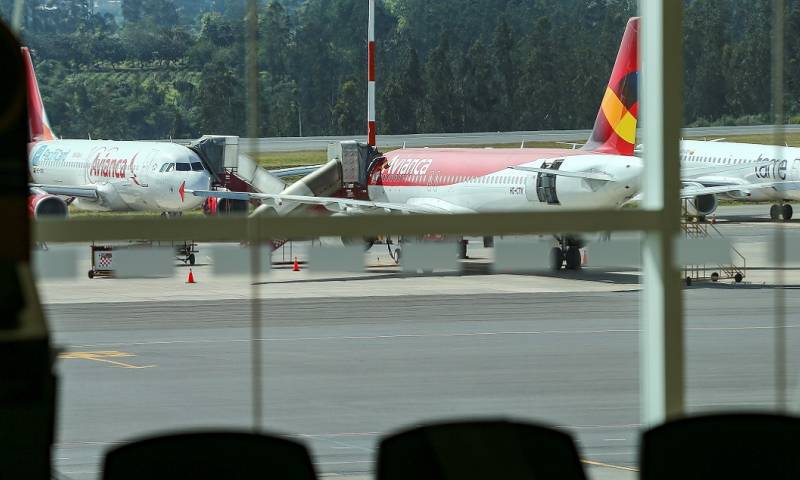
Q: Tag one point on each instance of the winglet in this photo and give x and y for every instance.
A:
(38, 124)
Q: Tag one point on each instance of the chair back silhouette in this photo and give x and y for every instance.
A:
(209, 455)
(479, 450)
(724, 447)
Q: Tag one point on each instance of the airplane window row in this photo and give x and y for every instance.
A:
(487, 180)
(727, 161)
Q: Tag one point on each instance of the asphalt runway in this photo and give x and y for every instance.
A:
(340, 372)
(347, 358)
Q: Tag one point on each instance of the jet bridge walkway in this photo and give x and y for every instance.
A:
(233, 170)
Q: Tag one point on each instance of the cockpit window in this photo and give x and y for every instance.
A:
(197, 167)
(183, 167)
(171, 167)
(164, 167)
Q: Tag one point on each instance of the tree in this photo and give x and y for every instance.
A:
(440, 105)
(479, 91)
(221, 103)
(502, 50)
(540, 92)
(403, 96)
(276, 39)
(350, 113)
(706, 46)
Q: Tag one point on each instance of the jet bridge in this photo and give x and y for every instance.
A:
(344, 175)
(233, 170)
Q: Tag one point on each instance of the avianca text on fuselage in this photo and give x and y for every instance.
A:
(408, 166)
(106, 166)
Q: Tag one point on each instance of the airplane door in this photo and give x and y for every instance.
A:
(546, 184)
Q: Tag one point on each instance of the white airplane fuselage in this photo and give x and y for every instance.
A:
(141, 176)
(475, 180)
(744, 163)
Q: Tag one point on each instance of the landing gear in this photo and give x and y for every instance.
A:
(556, 258)
(783, 212)
(462, 249)
(567, 254)
(775, 212)
(573, 258)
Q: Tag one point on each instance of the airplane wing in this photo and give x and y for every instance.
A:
(333, 204)
(585, 175)
(294, 171)
(744, 188)
(68, 190)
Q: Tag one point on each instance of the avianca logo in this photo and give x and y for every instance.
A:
(108, 166)
(412, 166)
(620, 116)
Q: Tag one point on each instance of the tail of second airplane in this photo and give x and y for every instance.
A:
(615, 128)
(37, 118)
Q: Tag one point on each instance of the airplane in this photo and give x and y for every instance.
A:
(603, 174)
(104, 175)
(776, 169)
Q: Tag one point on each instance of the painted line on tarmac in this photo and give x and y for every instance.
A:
(401, 336)
(103, 357)
(608, 465)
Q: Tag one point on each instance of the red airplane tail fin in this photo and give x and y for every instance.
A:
(615, 128)
(37, 118)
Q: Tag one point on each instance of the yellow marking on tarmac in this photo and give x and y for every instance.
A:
(608, 465)
(103, 357)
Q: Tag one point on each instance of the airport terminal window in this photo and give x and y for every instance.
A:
(557, 347)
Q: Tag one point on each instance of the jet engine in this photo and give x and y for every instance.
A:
(702, 205)
(48, 206)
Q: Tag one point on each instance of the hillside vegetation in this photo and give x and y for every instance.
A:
(175, 68)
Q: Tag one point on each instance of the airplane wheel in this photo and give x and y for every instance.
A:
(91, 274)
(738, 278)
(556, 258)
(191, 259)
(775, 212)
(688, 281)
(397, 253)
(788, 211)
(715, 277)
(573, 259)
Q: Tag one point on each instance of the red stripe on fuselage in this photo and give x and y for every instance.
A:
(438, 167)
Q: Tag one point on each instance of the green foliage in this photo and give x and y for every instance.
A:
(160, 68)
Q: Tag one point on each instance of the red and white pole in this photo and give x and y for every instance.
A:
(371, 79)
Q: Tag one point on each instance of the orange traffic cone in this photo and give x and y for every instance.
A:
(296, 267)
(191, 277)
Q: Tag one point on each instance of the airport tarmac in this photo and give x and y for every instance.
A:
(350, 357)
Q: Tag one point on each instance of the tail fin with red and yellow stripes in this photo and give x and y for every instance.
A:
(37, 118)
(615, 128)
